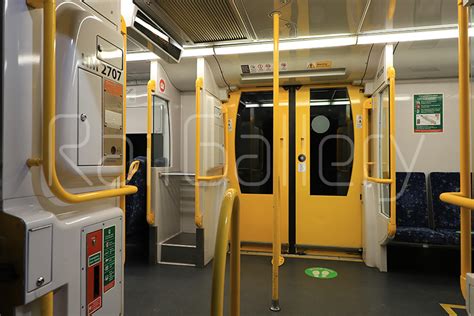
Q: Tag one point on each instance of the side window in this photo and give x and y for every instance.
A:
(161, 144)
(332, 141)
(254, 142)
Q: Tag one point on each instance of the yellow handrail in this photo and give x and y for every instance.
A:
(229, 216)
(455, 198)
(49, 119)
(392, 225)
(197, 194)
(198, 177)
(462, 198)
(275, 305)
(123, 182)
(150, 215)
(47, 304)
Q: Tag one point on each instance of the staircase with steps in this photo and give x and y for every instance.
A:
(186, 247)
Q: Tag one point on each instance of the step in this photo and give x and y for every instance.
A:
(180, 249)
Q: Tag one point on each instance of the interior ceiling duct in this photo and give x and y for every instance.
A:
(199, 21)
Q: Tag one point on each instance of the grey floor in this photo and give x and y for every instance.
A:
(358, 290)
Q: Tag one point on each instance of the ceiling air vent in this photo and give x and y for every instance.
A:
(202, 21)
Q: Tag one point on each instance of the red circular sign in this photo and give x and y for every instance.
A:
(162, 86)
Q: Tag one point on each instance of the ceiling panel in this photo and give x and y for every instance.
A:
(304, 17)
(410, 13)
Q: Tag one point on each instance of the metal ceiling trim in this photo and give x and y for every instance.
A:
(247, 24)
(364, 15)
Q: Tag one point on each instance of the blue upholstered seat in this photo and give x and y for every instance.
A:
(420, 235)
(446, 216)
(412, 211)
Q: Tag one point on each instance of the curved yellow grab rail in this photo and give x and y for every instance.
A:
(392, 225)
(462, 198)
(49, 119)
(197, 198)
(456, 198)
(150, 215)
(229, 217)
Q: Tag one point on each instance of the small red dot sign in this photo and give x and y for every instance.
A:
(162, 86)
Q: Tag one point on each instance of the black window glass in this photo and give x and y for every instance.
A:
(254, 142)
(332, 141)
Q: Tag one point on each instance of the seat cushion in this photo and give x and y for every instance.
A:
(412, 206)
(420, 235)
(446, 216)
(452, 236)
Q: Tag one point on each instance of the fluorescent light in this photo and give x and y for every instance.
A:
(152, 29)
(322, 103)
(295, 74)
(141, 56)
(307, 43)
(244, 49)
(318, 43)
(406, 35)
(412, 36)
(197, 52)
(251, 105)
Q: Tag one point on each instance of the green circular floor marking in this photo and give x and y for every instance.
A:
(321, 273)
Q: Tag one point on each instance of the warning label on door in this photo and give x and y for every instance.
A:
(109, 258)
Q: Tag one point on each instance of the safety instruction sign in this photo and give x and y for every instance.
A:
(109, 258)
(320, 273)
(428, 113)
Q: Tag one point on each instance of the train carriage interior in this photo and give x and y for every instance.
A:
(236, 157)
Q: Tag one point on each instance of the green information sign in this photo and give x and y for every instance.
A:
(428, 113)
(321, 273)
(109, 258)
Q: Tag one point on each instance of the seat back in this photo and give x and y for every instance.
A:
(135, 213)
(412, 206)
(446, 216)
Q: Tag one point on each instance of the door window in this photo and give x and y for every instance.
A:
(332, 141)
(254, 142)
(161, 145)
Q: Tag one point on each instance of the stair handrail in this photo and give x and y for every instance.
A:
(229, 220)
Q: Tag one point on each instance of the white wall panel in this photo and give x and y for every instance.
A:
(427, 152)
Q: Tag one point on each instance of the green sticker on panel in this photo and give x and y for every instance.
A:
(428, 113)
(321, 273)
(109, 258)
(93, 259)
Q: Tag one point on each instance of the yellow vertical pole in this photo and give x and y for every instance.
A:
(150, 216)
(276, 186)
(49, 97)
(235, 260)
(392, 226)
(124, 129)
(465, 141)
(47, 304)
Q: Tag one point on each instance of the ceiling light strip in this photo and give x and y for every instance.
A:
(328, 42)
